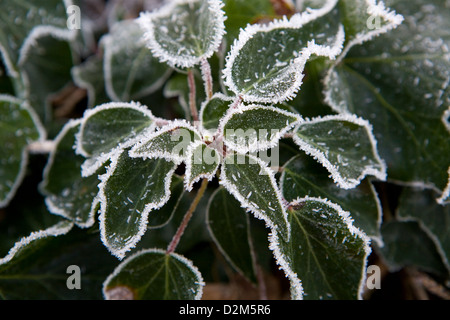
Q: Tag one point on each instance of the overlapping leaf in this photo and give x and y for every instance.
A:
(202, 162)
(153, 274)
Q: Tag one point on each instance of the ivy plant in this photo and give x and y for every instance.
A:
(210, 121)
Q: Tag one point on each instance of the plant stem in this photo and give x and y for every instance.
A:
(192, 95)
(187, 217)
(207, 78)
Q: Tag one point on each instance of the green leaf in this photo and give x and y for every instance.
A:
(255, 127)
(419, 205)
(155, 275)
(302, 176)
(131, 72)
(22, 22)
(111, 126)
(89, 75)
(184, 32)
(46, 70)
(171, 142)
(19, 126)
(213, 110)
(399, 82)
(407, 244)
(344, 145)
(229, 226)
(202, 162)
(129, 191)
(253, 184)
(37, 266)
(266, 63)
(67, 193)
(326, 255)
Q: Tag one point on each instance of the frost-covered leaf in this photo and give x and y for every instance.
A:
(256, 127)
(253, 184)
(129, 191)
(229, 226)
(46, 70)
(184, 32)
(366, 19)
(407, 244)
(153, 274)
(399, 82)
(213, 110)
(344, 145)
(202, 162)
(131, 71)
(89, 75)
(266, 63)
(326, 256)
(302, 176)
(68, 194)
(19, 126)
(171, 142)
(22, 22)
(419, 205)
(111, 125)
(36, 266)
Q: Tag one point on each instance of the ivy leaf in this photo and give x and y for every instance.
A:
(326, 255)
(45, 70)
(24, 22)
(67, 193)
(229, 226)
(302, 176)
(419, 205)
(202, 162)
(171, 142)
(253, 184)
(108, 128)
(129, 191)
(407, 244)
(89, 75)
(19, 126)
(266, 63)
(213, 110)
(184, 32)
(131, 72)
(344, 145)
(156, 275)
(255, 127)
(402, 78)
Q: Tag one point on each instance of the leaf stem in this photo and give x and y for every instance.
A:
(192, 95)
(207, 78)
(187, 217)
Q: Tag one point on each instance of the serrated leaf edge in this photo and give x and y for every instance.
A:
(200, 282)
(101, 198)
(380, 174)
(217, 95)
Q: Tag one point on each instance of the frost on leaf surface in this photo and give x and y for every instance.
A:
(255, 127)
(110, 127)
(344, 145)
(213, 110)
(302, 176)
(184, 32)
(129, 191)
(326, 255)
(155, 276)
(131, 72)
(202, 162)
(68, 194)
(170, 142)
(22, 22)
(19, 126)
(399, 82)
(253, 184)
(266, 63)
